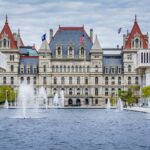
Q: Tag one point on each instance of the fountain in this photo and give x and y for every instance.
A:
(119, 105)
(6, 105)
(42, 97)
(59, 102)
(25, 97)
(108, 106)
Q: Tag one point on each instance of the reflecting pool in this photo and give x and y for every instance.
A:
(75, 129)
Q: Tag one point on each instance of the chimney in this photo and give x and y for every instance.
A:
(117, 46)
(51, 34)
(91, 34)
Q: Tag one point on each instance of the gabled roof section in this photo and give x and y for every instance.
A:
(96, 46)
(136, 30)
(6, 30)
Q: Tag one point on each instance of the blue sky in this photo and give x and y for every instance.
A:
(36, 17)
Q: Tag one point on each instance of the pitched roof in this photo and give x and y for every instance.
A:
(96, 46)
(136, 29)
(7, 31)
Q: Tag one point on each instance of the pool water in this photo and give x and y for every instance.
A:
(75, 129)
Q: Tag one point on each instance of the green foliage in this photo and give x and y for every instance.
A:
(7, 92)
(130, 95)
(146, 92)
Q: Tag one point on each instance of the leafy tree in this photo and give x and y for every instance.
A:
(7, 92)
(146, 92)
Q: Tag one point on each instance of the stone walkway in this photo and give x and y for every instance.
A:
(138, 109)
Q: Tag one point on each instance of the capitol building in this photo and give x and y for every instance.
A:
(74, 61)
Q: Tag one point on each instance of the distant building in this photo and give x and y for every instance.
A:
(73, 62)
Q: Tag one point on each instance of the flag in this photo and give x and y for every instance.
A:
(119, 30)
(44, 37)
(82, 39)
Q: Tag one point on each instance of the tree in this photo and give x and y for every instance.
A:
(7, 92)
(146, 92)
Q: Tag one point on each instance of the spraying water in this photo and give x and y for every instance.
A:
(120, 105)
(108, 104)
(6, 105)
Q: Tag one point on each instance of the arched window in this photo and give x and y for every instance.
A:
(64, 68)
(4, 80)
(136, 80)
(4, 43)
(88, 69)
(137, 43)
(113, 92)
(86, 91)
(22, 79)
(60, 68)
(96, 101)
(96, 68)
(72, 68)
(129, 80)
(86, 101)
(86, 80)
(112, 80)
(34, 80)
(44, 80)
(119, 80)
(56, 68)
(78, 91)
(82, 51)
(70, 80)
(96, 91)
(80, 69)
(12, 80)
(106, 91)
(70, 51)
(44, 68)
(12, 68)
(68, 68)
(106, 80)
(96, 80)
(78, 80)
(53, 69)
(28, 80)
(76, 68)
(62, 80)
(59, 51)
(129, 68)
(70, 91)
(55, 80)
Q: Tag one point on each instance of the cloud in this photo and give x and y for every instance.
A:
(35, 18)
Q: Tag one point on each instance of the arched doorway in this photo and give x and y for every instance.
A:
(86, 101)
(78, 102)
(70, 102)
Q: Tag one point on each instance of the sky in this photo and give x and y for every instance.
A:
(105, 17)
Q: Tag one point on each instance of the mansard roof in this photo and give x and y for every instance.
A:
(70, 36)
(136, 30)
(7, 31)
(112, 60)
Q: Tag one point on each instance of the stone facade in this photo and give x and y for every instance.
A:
(72, 62)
